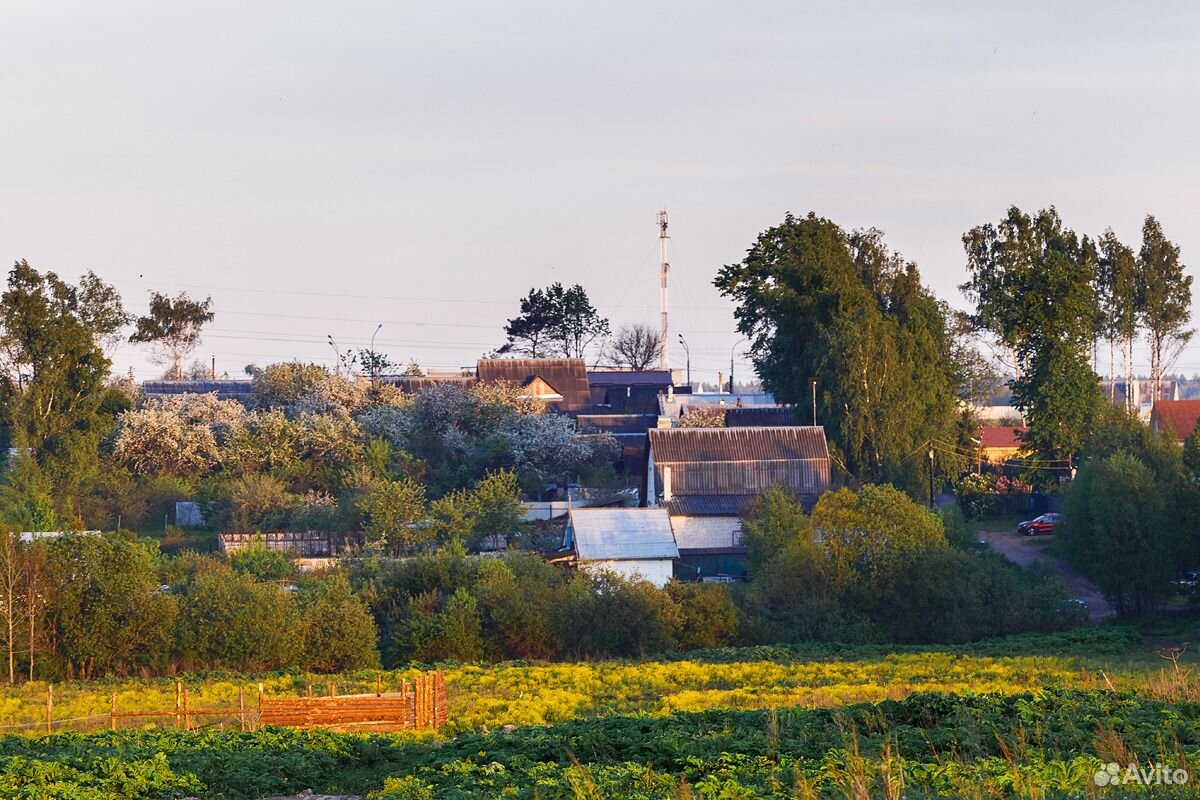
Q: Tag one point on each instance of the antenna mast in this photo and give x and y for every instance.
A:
(664, 354)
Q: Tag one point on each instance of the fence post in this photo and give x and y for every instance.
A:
(49, 706)
(178, 704)
(378, 684)
(333, 690)
(187, 711)
(260, 701)
(310, 691)
(242, 707)
(112, 713)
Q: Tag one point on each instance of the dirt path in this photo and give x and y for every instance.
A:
(1025, 550)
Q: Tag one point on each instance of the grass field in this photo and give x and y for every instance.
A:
(1024, 717)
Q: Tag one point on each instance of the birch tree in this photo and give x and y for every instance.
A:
(1165, 294)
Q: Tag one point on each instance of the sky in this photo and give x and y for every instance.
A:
(321, 168)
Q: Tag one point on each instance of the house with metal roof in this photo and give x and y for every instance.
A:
(635, 543)
(622, 391)
(562, 383)
(707, 479)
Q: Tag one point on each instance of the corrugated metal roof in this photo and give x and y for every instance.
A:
(782, 443)
(411, 384)
(1003, 438)
(567, 376)
(709, 505)
(624, 377)
(621, 534)
(673, 407)
(707, 533)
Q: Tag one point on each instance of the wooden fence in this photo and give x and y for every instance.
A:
(420, 705)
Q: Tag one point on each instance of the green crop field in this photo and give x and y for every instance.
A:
(1028, 717)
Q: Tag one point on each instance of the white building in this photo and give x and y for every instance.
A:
(635, 543)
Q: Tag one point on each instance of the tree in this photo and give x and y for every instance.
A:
(636, 347)
(232, 621)
(102, 311)
(529, 333)
(395, 512)
(336, 628)
(173, 327)
(1165, 294)
(555, 321)
(52, 385)
(842, 308)
(1121, 305)
(1120, 531)
(1032, 283)
(110, 617)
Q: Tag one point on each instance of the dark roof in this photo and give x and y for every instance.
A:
(1179, 416)
(623, 377)
(683, 445)
(567, 376)
(224, 389)
(709, 505)
(761, 416)
(419, 383)
(618, 423)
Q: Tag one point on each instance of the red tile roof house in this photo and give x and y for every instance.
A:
(999, 444)
(1177, 416)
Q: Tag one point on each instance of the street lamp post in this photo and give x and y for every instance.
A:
(683, 342)
(375, 358)
(337, 355)
(735, 345)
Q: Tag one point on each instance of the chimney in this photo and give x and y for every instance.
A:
(666, 484)
(671, 393)
(720, 381)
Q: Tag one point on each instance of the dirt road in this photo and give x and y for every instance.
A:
(1025, 550)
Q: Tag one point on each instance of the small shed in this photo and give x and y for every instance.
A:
(998, 444)
(634, 543)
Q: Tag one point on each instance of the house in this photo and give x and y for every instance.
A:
(676, 405)
(998, 444)
(635, 543)
(629, 391)
(630, 432)
(707, 478)
(562, 383)
(1138, 394)
(1176, 416)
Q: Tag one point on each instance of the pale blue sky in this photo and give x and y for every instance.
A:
(321, 167)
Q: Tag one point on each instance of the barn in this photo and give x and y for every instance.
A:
(634, 543)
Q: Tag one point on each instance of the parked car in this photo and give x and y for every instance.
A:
(1038, 526)
(1187, 584)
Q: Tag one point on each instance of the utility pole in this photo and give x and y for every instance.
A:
(931, 475)
(683, 342)
(664, 360)
(337, 355)
(735, 345)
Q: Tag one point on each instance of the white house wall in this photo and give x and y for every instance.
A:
(657, 572)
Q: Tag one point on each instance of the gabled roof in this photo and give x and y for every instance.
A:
(621, 534)
(566, 376)
(1001, 438)
(783, 443)
(1176, 415)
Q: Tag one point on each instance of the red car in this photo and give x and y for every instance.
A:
(1042, 525)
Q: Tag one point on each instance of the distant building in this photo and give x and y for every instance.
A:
(998, 444)
(762, 416)
(635, 543)
(707, 478)
(562, 383)
(1175, 416)
(1141, 391)
(630, 432)
(675, 405)
(228, 389)
(629, 391)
